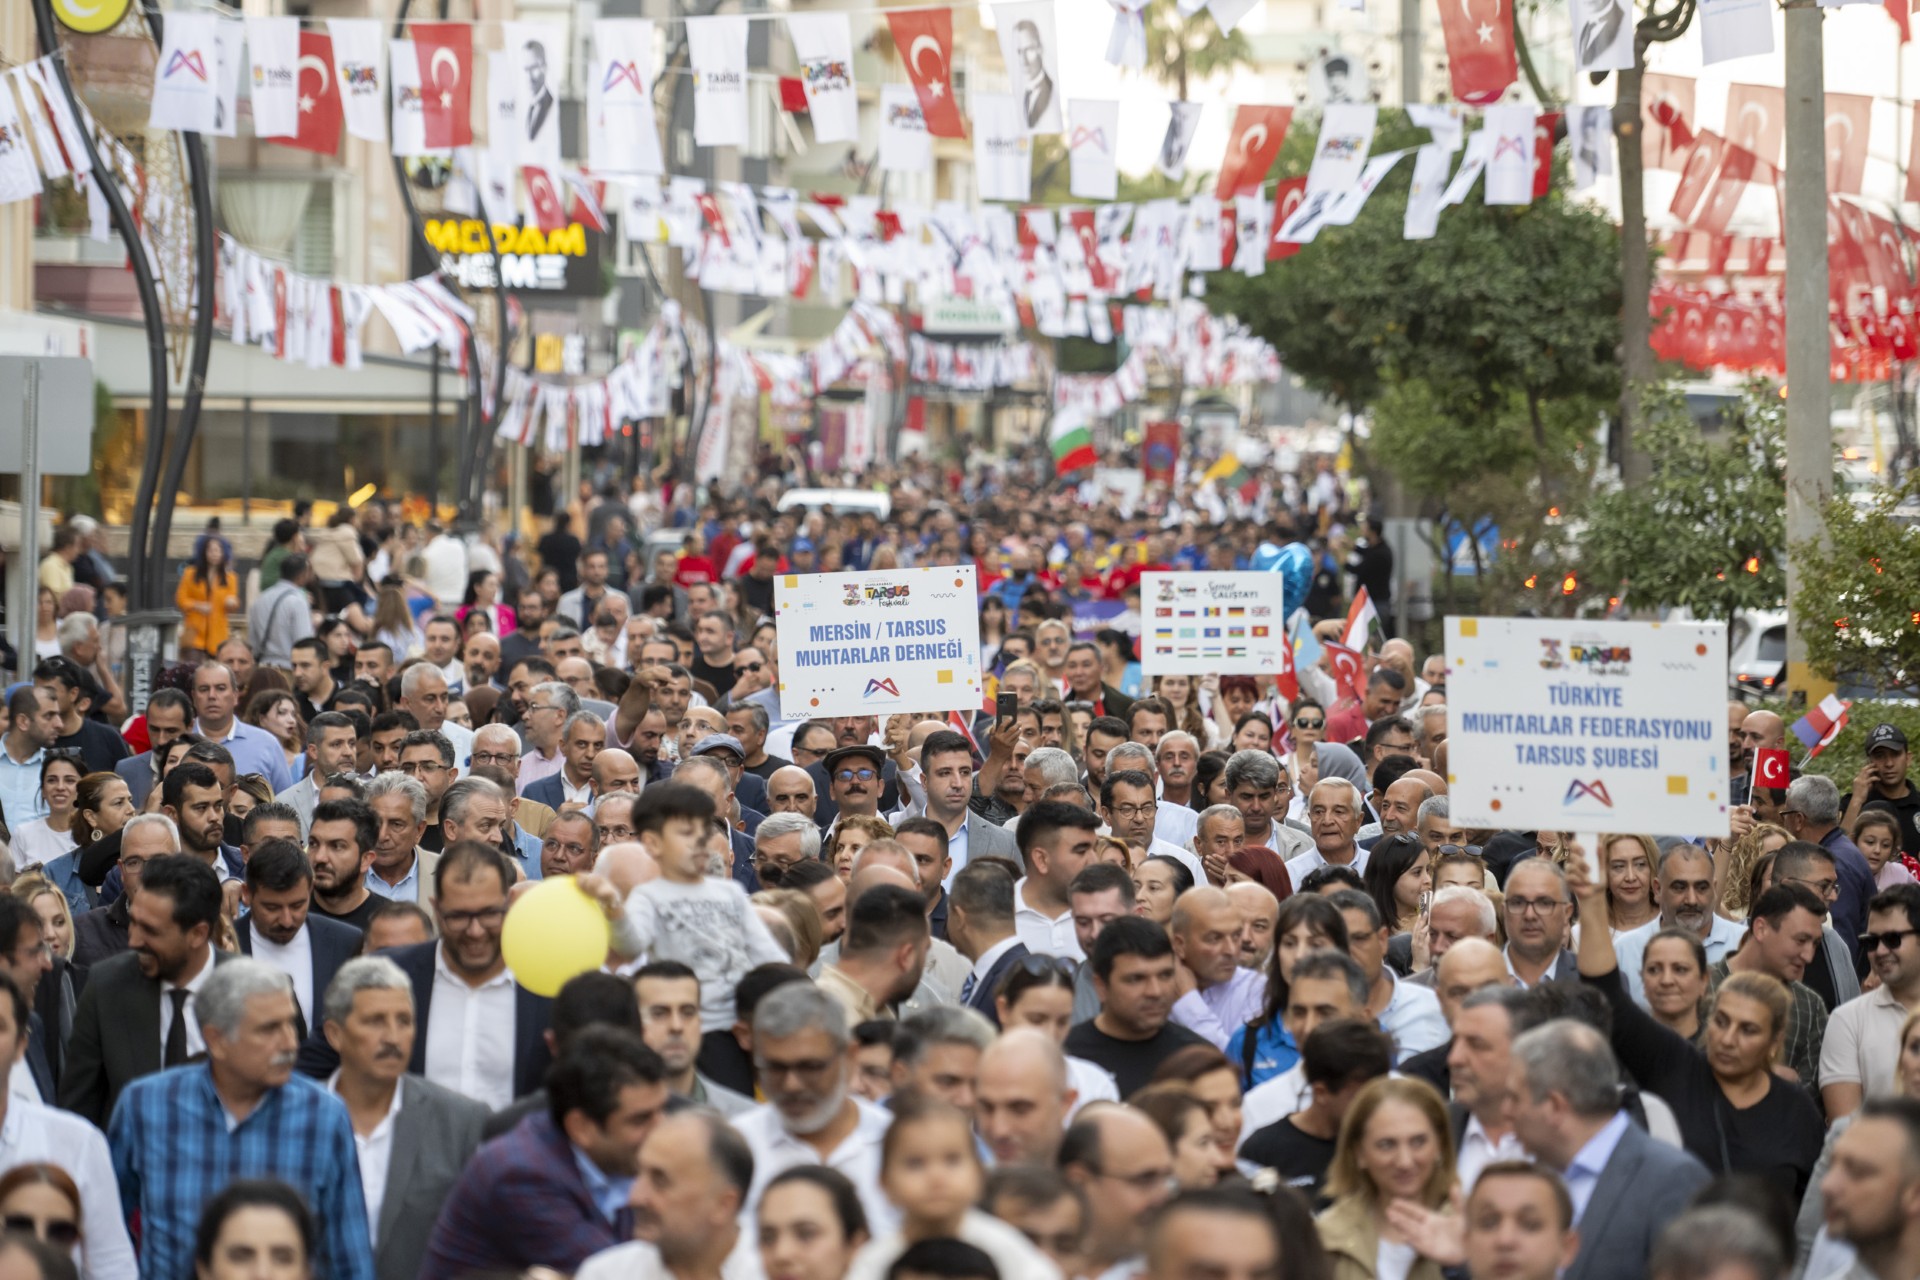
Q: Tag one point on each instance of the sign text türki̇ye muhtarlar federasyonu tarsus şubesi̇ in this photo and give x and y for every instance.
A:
(1584, 717)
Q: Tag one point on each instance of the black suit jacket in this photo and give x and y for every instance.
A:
(531, 1015)
(116, 1036)
(330, 944)
(981, 1001)
(1431, 1066)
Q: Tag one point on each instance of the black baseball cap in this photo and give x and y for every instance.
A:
(1886, 737)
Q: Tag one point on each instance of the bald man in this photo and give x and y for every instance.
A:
(791, 789)
(1760, 731)
(1216, 996)
(1121, 1161)
(1023, 1097)
(1469, 965)
(1259, 910)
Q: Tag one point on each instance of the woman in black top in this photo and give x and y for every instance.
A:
(1735, 1114)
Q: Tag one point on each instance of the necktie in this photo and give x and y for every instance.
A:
(176, 1050)
(966, 989)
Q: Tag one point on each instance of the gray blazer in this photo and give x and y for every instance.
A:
(435, 1133)
(987, 840)
(301, 797)
(1644, 1186)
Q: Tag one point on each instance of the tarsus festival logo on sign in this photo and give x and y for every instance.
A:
(618, 72)
(1595, 790)
(877, 685)
(188, 60)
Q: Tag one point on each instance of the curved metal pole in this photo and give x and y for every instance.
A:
(150, 311)
(201, 186)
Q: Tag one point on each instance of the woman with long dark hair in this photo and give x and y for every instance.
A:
(1306, 922)
(1398, 875)
(207, 593)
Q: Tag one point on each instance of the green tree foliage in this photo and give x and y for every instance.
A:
(1859, 602)
(1707, 530)
(1182, 50)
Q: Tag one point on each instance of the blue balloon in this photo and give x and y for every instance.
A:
(1295, 567)
(1266, 558)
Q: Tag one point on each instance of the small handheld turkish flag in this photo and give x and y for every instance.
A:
(1770, 768)
(1349, 669)
(445, 50)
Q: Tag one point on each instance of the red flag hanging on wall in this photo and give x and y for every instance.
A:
(1736, 171)
(1757, 119)
(318, 128)
(1251, 148)
(1848, 122)
(924, 40)
(1703, 159)
(1666, 116)
(1480, 56)
(445, 50)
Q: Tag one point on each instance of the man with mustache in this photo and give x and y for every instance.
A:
(1686, 902)
(694, 1174)
(178, 1136)
(412, 1135)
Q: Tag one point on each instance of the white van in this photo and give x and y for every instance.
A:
(842, 502)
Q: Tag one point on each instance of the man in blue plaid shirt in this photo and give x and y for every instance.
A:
(180, 1136)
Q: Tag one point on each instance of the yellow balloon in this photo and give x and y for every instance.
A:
(553, 933)
(90, 16)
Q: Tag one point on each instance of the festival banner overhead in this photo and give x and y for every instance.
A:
(1588, 726)
(863, 644)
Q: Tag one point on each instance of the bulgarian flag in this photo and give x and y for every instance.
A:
(1362, 620)
(1820, 726)
(1072, 443)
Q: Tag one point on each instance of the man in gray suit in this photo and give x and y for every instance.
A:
(169, 712)
(1625, 1185)
(330, 751)
(946, 768)
(413, 1136)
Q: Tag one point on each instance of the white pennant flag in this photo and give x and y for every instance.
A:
(409, 110)
(1430, 165)
(273, 52)
(1304, 223)
(622, 135)
(498, 186)
(1442, 120)
(19, 176)
(1183, 120)
(1510, 162)
(1228, 13)
(1354, 198)
(905, 144)
(41, 72)
(1340, 153)
(1203, 234)
(644, 220)
(1472, 163)
(1093, 171)
(1252, 225)
(1002, 161)
(1031, 49)
(1590, 139)
(1735, 29)
(718, 49)
(823, 45)
(186, 74)
(52, 162)
(358, 46)
(229, 35)
(503, 113)
(536, 54)
(1127, 41)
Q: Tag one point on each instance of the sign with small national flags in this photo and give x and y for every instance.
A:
(1246, 639)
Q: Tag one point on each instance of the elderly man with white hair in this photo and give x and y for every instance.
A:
(423, 693)
(79, 636)
(1335, 810)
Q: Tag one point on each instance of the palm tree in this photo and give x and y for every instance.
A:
(1180, 49)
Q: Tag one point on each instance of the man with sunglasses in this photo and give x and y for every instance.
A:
(855, 777)
(1860, 1056)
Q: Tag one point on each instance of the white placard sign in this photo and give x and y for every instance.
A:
(1206, 623)
(1587, 726)
(864, 644)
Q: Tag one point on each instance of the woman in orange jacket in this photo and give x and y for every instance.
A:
(206, 594)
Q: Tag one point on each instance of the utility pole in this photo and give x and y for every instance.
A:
(1809, 429)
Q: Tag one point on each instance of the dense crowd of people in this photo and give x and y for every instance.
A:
(1141, 977)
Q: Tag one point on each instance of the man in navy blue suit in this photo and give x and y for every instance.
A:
(980, 926)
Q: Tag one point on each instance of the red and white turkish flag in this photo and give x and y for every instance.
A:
(1480, 56)
(1349, 669)
(1544, 127)
(1251, 148)
(1771, 767)
(1286, 198)
(1757, 119)
(445, 50)
(924, 40)
(1286, 679)
(1666, 117)
(548, 213)
(318, 128)
(1736, 171)
(1913, 157)
(1848, 122)
(1703, 160)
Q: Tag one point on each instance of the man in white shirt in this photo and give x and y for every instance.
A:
(472, 1018)
(1479, 1067)
(445, 562)
(1334, 811)
(687, 1203)
(1217, 996)
(33, 1133)
(1686, 902)
(1129, 806)
(811, 1115)
(423, 692)
(279, 928)
(412, 1137)
(1056, 840)
(1409, 1013)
